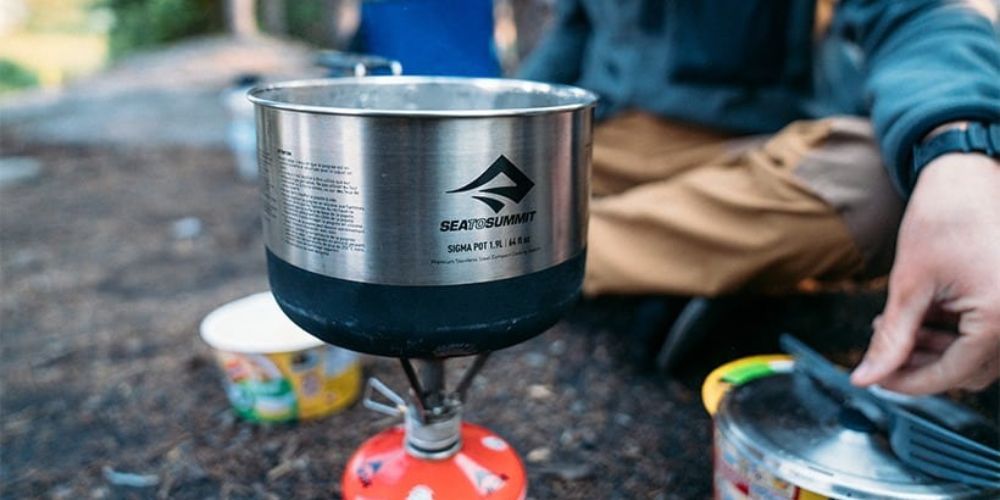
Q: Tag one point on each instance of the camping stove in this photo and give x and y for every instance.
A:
(433, 453)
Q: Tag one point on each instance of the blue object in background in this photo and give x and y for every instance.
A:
(431, 37)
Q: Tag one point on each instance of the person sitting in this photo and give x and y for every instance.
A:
(752, 144)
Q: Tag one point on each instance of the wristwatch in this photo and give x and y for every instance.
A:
(974, 137)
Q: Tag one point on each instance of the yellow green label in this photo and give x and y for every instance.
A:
(739, 372)
(282, 387)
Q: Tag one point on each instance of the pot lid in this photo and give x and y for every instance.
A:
(254, 325)
(804, 437)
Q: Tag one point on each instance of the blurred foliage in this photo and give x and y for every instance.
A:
(14, 76)
(51, 41)
(146, 23)
(309, 21)
(65, 16)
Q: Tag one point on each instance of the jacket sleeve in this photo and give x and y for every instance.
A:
(559, 55)
(928, 62)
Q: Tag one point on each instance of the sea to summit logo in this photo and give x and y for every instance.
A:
(496, 197)
(489, 196)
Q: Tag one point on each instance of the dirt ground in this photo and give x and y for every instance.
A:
(113, 254)
(102, 367)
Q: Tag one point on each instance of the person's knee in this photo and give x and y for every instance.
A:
(845, 169)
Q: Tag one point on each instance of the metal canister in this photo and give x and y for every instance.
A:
(486, 466)
(434, 454)
(778, 437)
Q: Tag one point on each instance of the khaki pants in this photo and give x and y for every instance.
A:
(678, 210)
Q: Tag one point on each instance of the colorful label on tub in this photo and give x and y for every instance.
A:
(738, 477)
(293, 385)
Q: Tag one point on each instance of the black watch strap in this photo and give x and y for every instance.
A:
(975, 138)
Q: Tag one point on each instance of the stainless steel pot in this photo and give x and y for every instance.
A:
(424, 216)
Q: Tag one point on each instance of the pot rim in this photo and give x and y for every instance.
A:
(575, 98)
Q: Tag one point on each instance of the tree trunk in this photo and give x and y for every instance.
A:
(273, 14)
(241, 17)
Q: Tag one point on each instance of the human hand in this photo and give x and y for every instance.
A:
(947, 268)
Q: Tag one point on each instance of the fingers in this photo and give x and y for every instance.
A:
(941, 319)
(919, 359)
(983, 378)
(936, 341)
(930, 345)
(895, 335)
(971, 362)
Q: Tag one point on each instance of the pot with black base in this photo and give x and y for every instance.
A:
(424, 217)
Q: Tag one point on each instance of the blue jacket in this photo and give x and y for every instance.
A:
(752, 66)
(430, 37)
